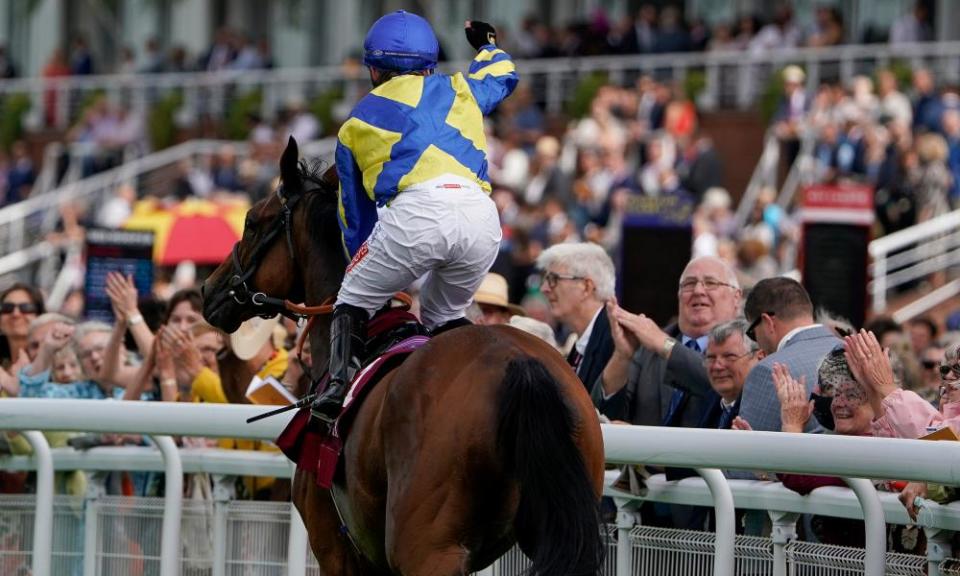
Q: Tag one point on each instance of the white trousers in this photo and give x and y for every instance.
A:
(447, 228)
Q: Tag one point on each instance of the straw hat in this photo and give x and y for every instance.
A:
(493, 292)
(539, 329)
(794, 74)
(250, 337)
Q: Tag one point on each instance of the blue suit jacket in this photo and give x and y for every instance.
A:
(802, 354)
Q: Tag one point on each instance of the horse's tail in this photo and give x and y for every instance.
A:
(558, 521)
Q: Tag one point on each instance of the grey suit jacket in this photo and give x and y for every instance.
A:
(652, 380)
(802, 354)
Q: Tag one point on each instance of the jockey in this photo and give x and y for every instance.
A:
(414, 193)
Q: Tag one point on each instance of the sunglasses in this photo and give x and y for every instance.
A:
(929, 364)
(946, 370)
(751, 330)
(24, 307)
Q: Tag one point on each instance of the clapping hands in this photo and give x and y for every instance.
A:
(795, 406)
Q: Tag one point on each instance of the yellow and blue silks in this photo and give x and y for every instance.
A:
(412, 129)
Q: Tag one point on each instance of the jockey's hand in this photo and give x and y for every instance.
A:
(480, 34)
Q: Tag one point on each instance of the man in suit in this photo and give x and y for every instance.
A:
(781, 321)
(661, 371)
(730, 357)
(577, 278)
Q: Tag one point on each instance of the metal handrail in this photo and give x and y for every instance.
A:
(764, 174)
(912, 263)
(726, 449)
(684, 60)
(550, 73)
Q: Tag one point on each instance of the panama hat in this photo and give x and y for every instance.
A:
(493, 292)
(794, 74)
(250, 337)
(541, 330)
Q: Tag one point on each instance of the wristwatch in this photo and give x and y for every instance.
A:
(134, 320)
(668, 345)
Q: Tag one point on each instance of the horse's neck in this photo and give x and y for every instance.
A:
(235, 376)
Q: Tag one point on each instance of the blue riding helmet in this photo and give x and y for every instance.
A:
(401, 41)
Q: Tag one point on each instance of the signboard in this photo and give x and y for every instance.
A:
(656, 246)
(844, 203)
(125, 251)
(836, 221)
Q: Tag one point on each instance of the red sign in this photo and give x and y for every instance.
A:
(848, 203)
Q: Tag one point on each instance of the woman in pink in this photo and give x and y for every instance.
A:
(902, 413)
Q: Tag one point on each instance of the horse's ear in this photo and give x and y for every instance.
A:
(289, 171)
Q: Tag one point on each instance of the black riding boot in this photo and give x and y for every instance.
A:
(347, 333)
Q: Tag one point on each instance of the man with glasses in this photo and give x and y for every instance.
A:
(781, 322)
(730, 357)
(577, 278)
(661, 371)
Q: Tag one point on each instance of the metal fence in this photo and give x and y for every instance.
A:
(717, 79)
(811, 454)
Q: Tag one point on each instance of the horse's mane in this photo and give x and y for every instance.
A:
(321, 198)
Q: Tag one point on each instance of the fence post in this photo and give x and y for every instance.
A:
(879, 282)
(626, 520)
(784, 530)
(938, 548)
(875, 525)
(724, 561)
(296, 545)
(96, 488)
(43, 519)
(172, 506)
(223, 493)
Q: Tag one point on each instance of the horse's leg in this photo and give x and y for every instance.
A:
(331, 547)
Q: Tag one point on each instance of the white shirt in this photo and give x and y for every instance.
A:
(794, 332)
(581, 344)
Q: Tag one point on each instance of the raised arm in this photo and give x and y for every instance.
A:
(123, 296)
(492, 76)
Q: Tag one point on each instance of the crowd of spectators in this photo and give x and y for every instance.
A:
(662, 30)
(904, 143)
(746, 349)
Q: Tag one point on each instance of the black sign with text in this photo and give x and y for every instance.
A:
(125, 251)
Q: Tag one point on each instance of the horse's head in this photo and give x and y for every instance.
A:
(269, 263)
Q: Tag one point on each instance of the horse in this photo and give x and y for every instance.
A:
(481, 439)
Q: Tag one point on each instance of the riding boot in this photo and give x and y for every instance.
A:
(347, 333)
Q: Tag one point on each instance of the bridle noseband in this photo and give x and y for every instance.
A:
(239, 287)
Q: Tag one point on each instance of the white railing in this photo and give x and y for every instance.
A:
(731, 78)
(851, 457)
(914, 253)
(764, 175)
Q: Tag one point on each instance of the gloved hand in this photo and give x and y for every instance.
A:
(480, 34)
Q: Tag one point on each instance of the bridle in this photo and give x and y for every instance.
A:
(269, 306)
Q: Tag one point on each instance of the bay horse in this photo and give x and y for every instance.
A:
(481, 439)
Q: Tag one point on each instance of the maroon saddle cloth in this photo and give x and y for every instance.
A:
(316, 447)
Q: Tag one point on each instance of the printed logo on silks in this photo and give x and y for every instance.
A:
(360, 255)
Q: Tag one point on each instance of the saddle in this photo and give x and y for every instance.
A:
(392, 335)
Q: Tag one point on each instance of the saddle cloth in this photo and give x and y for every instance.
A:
(315, 447)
